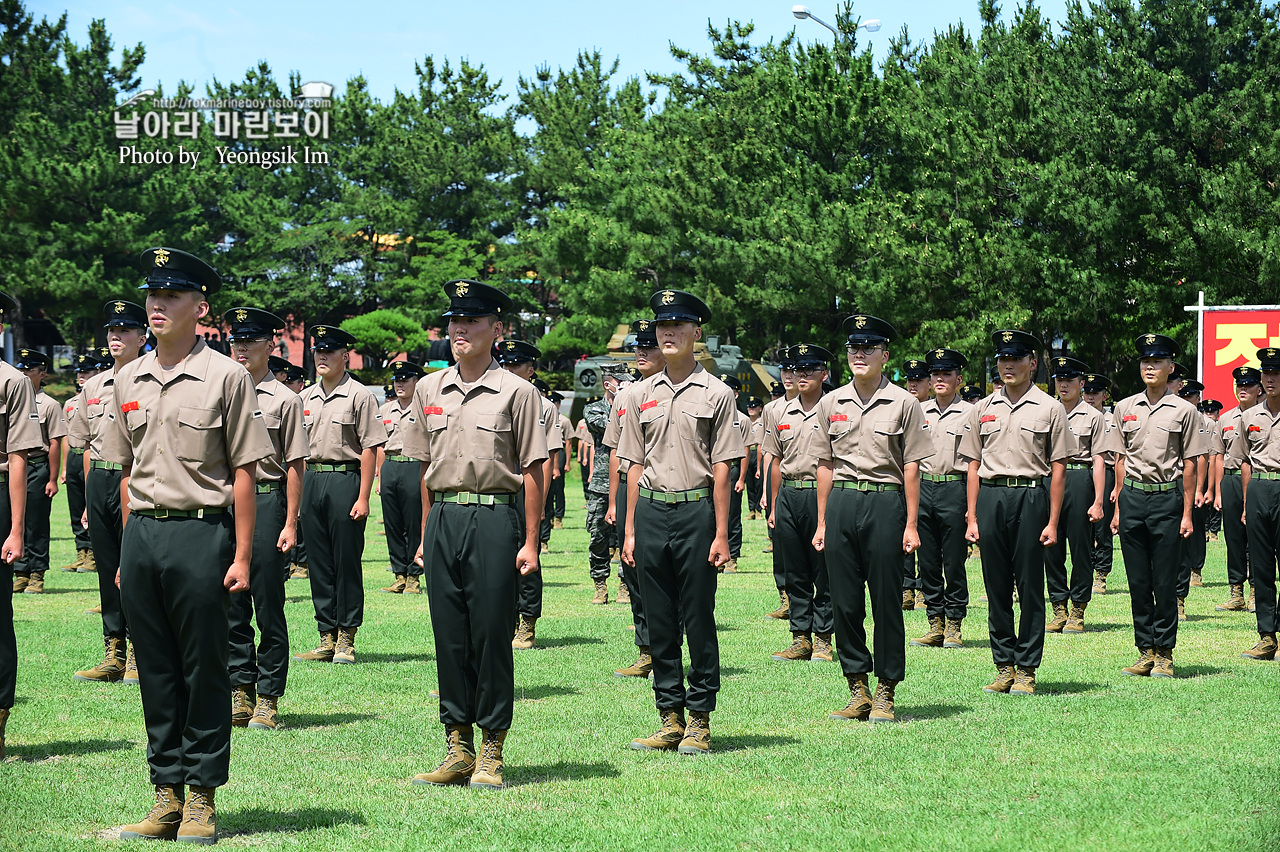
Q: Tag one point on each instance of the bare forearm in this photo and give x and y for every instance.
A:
(17, 493)
(368, 460)
(244, 503)
(721, 495)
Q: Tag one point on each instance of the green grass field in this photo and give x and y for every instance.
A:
(1094, 761)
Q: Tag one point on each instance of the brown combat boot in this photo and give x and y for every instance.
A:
(1003, 682)
(322, 653)
(344, 650)
(768, 548)
(640, 668)
(920, 603)
(668, 735)
(1182, 609)
(111, 669)
(1197, 581)
(1142, 668)
(266, 714)
(459, 758)
(859, 706)
(1075, 621)
(602, 593)
(4, 720)
(801, 648)
(624, 594)
(130, 668)
(90, 565)
(94, 610)
(908, 600)
(299, 571)
(1164, 663)
(557, 524)
(951, 636)
(730, 567)
(36, 585)
(882, 703)
(396, 588)
(1024, 681)
(488, 772)
(244, 700)
(1264, 650)
(934, 636)
(1235, 600)
(784, 607)
(526, 635)
(74, 565)
(822, 652)
(163, 820)
(199, 818)
(20, 583)
(697, 736)
(1059, 619)
(412, 584)
(1253, 603)
(1099, 583)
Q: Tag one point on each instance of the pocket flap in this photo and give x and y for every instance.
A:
(493, 422)
(199, 418)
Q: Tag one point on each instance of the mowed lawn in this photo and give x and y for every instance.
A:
(1094, 761)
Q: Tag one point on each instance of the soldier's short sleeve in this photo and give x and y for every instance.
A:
(24, 418)
(77, 423)
(1097, 435)
(1110, 441)
(56, 427)
(727, 446)
(369, 426)
(1239, 452)
(631, 443)
(917, 440)
(526, 419)
(243, 428)
(822, 446)
(770, 445)
(613, 422)
(1062, 444)
(1195, 440)
(293, 436)
(596, 420)
(416, 445)
(551, 427)
(116, 445)
(1217, 446)
(970, 447)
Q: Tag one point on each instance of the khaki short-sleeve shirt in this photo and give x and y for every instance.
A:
(1020, 440)
(1260, 443)
(678, 432)
(343, 424)
(396, 418)
(52, 424)
(477, 438)
(582, 433)
(613, 431)
(769, 419)
(1156, 439)
(1089, 428)
(873, 441)
(550, 421)
(1227, 431)
(98, 396)
(282, 415)
(755, 434)
(796, 440)
(946, 428)
(183, 431)
(77, 426)
(19, 417)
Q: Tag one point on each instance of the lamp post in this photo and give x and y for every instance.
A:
(802, 12)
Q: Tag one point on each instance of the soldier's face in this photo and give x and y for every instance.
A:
(810, 380)
(405, 387)
(253, 354)
(787, 377)
(81, 378)
(329, 362)
(123, 341)
(1247, 395)
(1271, 385)
(919, 388)
(1194, 398)
(36, 376)
(1096, 399)
(1015, 372)
(1155, 371)
(650, 360)
(523, 369)
(945, 383)
(295, 386)
(676, 337)
(469, 336)
(173, 314)
(867, 359)
(1069, 389)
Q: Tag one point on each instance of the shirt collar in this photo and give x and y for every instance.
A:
(490, 379)
(195, 365)
(848, 393)
(697, 377)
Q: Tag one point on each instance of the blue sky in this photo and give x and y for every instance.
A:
(332, 42)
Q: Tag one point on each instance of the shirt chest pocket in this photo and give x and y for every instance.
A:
(695, 425)
(887, 436)
(1168, 436)
(343, 427)
(135, 421)
(272, 422)
(199, 433)
(1034, 436)
(94, 411)
(493, 438)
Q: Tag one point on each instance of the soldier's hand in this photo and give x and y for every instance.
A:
(237, 578)
(629, 550)
(910, 540)
(1217, 503)
(51, 488)
(84, 519)
(288, 538)
(719, 554)
(1115, 524)
(1049, 536)
(1186, 528)
(527, 559)
(610, 516)
(62, 477)
(1095, 512)
(819, 535)
(117, 578)
(12, 550)
(771, 520)
(377, 487)
(360, 510)
(739, 486)
(971, 532)
(1199, 499)
(417, 557)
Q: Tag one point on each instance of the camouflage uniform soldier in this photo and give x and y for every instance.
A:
(596, 416)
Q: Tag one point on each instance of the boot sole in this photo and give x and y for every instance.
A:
(259, 726)
(423, 782)
(881, 719)
(478, 785)
(997, 691)
(783, 659)
(1267, 659)
(1135, 674)
(642, 747)
(916, 643)
(339, 662)
(129, 681)
(133, 835)
(644, 675)
(693, 750)
(953, 644)
(1153, 674)
(202, 841)
(98, 679)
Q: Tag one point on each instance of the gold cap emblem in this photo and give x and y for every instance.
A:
(462, 289)
(1151, 338)
(644, 325)
(161, 257)
(859, 322)
(803, 349)
(511, 345)
(1271, 353)
(668, 297)
(119, 307)
(938, 353)
(321, 331)
(1062, 362)
(24, 352)
(397, 365)
(242, 315)
(1007, 337)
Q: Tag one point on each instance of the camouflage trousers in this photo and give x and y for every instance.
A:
(602, 534)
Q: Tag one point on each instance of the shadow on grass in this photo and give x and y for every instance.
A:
(537, 693)
(567, 641)
(1066, 687)
(1196, 671)
(544, 772)
(391, 657)
(263, 821)
(559, 585)
(730, 671)
(36, 752)
(743, 742)
(921, 712)
(48, 591)
(324, 720)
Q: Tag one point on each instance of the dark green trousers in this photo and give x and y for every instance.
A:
(1010, 521)
(471, 588)
(795, 522)
(1264, 547)
(8, 639)
(735, 511)
(298, 556)
(1103, 546)
(1075, 531)
(755, 483)
(36, 539)
(401, 493)
(1152, 551)
(337, 547)
(943, 548)
(779, 569)
(267, 665)
(584, 471)
(864, 555)
(1194, 549)
(171, 571)
(672, 544)
(102, 491)
(1234, 534)
(75, 499)
(529, 586)
(628, 574)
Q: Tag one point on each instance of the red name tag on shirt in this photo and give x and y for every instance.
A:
(987, 419)
(94, 401)
(1228, 428)
(432, 409)
(306, 412)
(645, 406)
(839, 418)
(129, 406)
(1255, 428)
(386, 422)
(1128, 417)
(621, 411)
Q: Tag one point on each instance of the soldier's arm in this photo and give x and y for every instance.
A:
(13, 545)
(292, 500)
(244, 502)
(824, 495)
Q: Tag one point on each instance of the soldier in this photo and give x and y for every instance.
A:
(600, 536)
(555, 499)
(1016, 440)
(915, 373)
(1095, 391)
(185, 427)
(869, 454)
(781, 392)
(292, 377)
(481, 441)
(738, 479)
(344, 433)
(554, 470)
(680, 435)
(517, 357)
(586, 444)
(1229, 490)
(86, 367)
(42, 476)
(755, 435)
(19, 434)
(942, 506)
(971, 393)
(126, 333)
(1259, 455)
(258, 676)
(795, 439)
(398, 486)
(1163, 439)
(1212, 410)
(1084, 488)
(1193, 549)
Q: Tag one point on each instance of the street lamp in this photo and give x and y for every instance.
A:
(802, 12)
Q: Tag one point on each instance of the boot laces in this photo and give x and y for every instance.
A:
(198, 809)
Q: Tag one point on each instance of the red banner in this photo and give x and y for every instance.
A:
(1232, 339)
